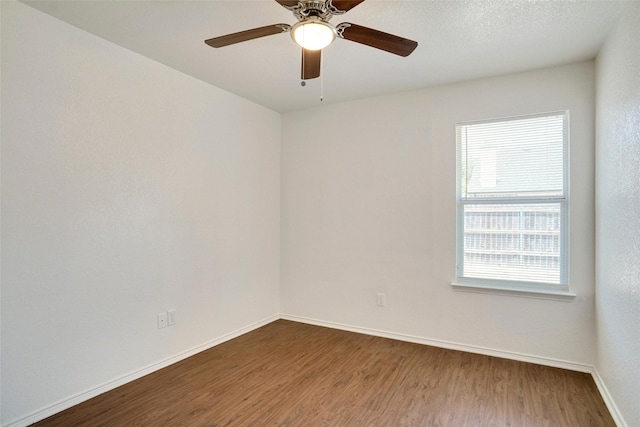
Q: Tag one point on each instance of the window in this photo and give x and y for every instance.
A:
(512, 203)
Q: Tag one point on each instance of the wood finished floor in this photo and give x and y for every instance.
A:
(292, 374)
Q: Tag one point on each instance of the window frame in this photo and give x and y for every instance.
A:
(557, 290)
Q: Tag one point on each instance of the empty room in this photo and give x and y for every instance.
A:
(431, 219)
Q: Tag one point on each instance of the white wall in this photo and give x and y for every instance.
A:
(128, 189)
(618, 216)
(368, 205)
(0, 218)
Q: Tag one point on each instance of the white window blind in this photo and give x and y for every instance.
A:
(513, 200)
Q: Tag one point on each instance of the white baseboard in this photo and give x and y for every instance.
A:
(556, 363)
(110, 385)
(608, 400)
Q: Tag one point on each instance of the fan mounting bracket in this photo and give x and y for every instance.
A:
(285, 27)
(340, 29)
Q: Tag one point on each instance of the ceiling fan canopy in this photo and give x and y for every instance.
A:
(313, 32)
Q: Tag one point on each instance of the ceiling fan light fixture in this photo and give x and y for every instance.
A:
(313, 34)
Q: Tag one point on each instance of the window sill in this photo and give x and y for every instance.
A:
(519, 292)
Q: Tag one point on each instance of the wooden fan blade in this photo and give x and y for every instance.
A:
(378, 39)
(345, 5)
(243, 36)
(311, 63)
(288, 3)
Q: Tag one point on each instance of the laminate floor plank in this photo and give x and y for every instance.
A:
(293, 374)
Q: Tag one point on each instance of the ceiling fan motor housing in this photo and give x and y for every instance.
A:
(323, 9)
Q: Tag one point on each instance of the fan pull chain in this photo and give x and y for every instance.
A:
(322, 75)
(303, 83)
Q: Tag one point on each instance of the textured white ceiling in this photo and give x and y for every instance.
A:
(458, 40)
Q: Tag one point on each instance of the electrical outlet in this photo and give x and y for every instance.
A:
(162, 320)
(171, 317)
(381, 299)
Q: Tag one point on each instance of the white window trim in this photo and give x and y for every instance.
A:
(520, 291)
(517, 288)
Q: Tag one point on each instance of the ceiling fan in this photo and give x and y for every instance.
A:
(313, 32)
